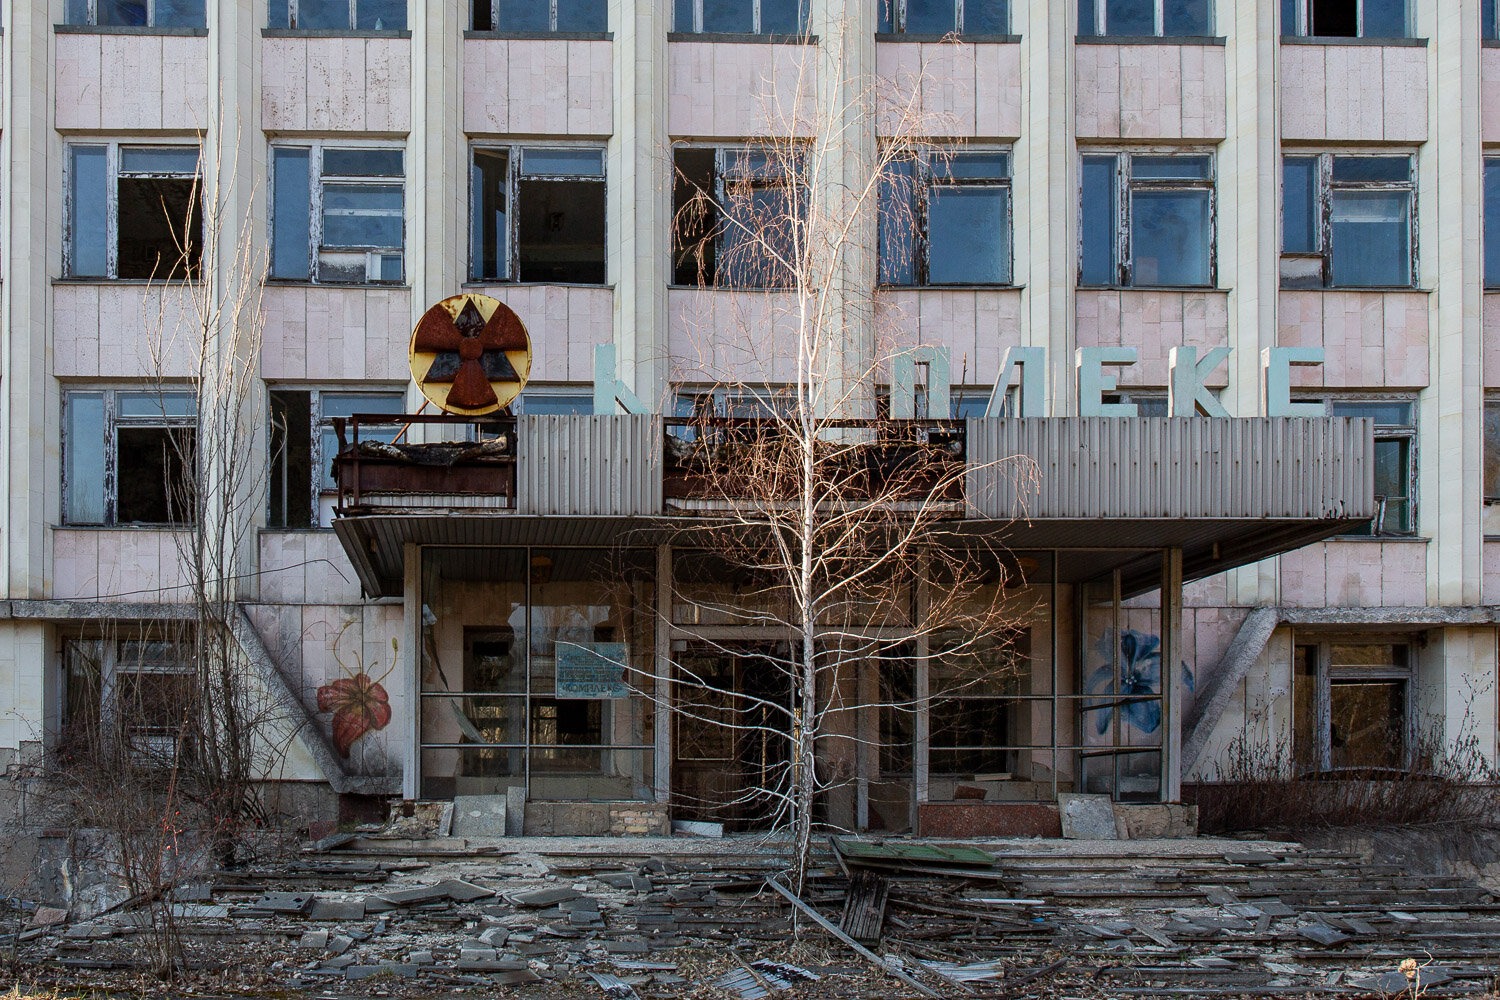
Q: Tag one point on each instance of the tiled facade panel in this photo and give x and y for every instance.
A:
(336, 85)
(1370, 339)
(976, 325)
(124, 564)
(1355, 574)
(131, 82)
(538, 87)
(304, 567)
(131, 330)
(748, 336)
(970, 90)
(729, 90)
(314, 332)
(565, 322)
(1149, 92)
(1153, 321)
(1490, 584)
(1489, 94)
(1354, 93)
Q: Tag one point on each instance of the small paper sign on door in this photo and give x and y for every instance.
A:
(591, 670)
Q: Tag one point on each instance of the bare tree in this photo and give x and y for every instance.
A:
(834, 528)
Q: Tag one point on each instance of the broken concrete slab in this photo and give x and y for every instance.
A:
(313, 940)
(47, 916)
(1322, 934)
(284, 902)
(478, 816)
(539, 898)
(336, 909)
(1087, 817)
(454, 889)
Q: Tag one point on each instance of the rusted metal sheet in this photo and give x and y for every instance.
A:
(590, 465)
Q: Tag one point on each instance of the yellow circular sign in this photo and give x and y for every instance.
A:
(470, 354)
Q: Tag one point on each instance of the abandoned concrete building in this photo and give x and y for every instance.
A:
(1219, 268)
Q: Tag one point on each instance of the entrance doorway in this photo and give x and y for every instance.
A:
(731, 741)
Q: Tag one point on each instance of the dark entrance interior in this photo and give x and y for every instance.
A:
(730, 743)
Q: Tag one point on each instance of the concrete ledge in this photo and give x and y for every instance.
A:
(964, 820)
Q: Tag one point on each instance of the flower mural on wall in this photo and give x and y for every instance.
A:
(359, 702)
(1139, 681)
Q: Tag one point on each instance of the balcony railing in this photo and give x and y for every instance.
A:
(377, 466)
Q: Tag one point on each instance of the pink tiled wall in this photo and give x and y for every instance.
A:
(1370, 339)
(125, 564)
(131, 82)
(1149, 91)
(1355, 574)
(314, 332)
(1355, 93)
(128, 330)
(538, 86)
(564, 323)
(730, 90)
(336, 85)
(970, 90)
(976, 325)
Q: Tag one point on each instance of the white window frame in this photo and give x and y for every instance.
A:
(499, 29)
(1123, 233)
(1324, 187)
(898, 15)
(112, 175)
(113, 421)
(93, 15)
(696, 28)
(291, 17)
(1159, 20)
(724, 168)
(925, 179)
(316, 181)
(1302, 20)
(515, 154)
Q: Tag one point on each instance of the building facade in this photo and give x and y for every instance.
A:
(1256, 217)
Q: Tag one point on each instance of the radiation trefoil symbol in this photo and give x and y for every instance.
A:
(470, 354)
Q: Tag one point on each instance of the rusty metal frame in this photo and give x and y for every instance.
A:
(515, 153)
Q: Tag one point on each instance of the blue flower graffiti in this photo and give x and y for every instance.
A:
(1140, 681)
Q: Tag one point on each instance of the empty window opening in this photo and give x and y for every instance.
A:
(127, 701)
(737, 217)
(303, 489)
(1351, 705)
(134, 212)
(129, 457)
(1346, 18)
(537, 214)
(504, 16)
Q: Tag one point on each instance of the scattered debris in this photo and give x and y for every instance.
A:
(763, 977)
(614, 988)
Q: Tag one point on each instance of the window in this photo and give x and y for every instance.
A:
(339, 15)
(974, 701)
(946, 220)
(303, 447)
(1489, 20)
(740, 17)
(1145, 17)
(737, 215)
(1147, 220)
(1346, 222)
(1395, 461)
(540, 15)
(541, 400)
(1492, 222)
(131, 698)
(1492, 466)
(537, 214)
(1351, 705)
(128, 457)
(133, 212)
(1345, 18)
(136, 13)
(338, 214)
(940, 17)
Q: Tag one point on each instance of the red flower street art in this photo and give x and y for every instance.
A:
(359, 705)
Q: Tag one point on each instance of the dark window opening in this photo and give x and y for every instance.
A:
(291, 459)
(561, 231)
(1334, 18)
(737, 217)
(160, 219)
(694, 251)
(154, 480)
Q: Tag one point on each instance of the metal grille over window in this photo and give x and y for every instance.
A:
(338, 214)
(1147, 219)
(1347, 222)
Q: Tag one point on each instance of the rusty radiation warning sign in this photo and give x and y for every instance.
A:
(470, 354)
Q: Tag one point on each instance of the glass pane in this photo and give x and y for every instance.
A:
(543, 402)
(986, 17)
(1385, 19)
(1395, 169)
(978, 166)
(1492, 450)
(729, 15)
(1186, 17)
(159, 405)
(1289, 17)
(380, 15)
(682, 16)
(570, 162)
(930, 17)
(362, 162)
(1087, 26)
(1384, 413)
(328, 15)
(1130, 17)
(88, 234)
(1299, 216)
(1371, 238)
(582, 15)
(782, 17)
(1170, 168)
(451, 771)
(76, 12)
(346, 404)
(83, 447)
(1367, 724)
(489, 226)
(181, 14)
(898, 264)
(885, 10)
(291, 214)
(1098, 265)
(1169, 238)
(524, 15)
(1393, 482)
(159, 160)
(481, 15)
(968, 231)
(362, 215)
(127, 13)
(1492, 223)
(1487, 21)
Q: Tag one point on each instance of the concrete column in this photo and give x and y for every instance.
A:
(1171, 675)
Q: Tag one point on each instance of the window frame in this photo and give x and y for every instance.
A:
(113, 149)
(1158, 18)
(1123, 232)
(803, 10)
(292, 11)
(111, 729)
(925, 179)
(319, 463)
(1490, 227)
(1302, 21)
(499, 29)
(1489, 21)
(1324, 188)
(898, 14)
(515, 153)
(317, 181)
(795, 185)
(91, 8)
(112, 422)
(1408, 432)
(1326, 675)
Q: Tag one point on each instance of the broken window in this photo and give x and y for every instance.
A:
(128, 700)
(1346, 221)
(1352, 705)
(1147, 220)
(1395, 461)
(942, 17)
(737, 215)
(503, 16)
(1346, 18)
(339, 15)
(136, 13)
(133, 212)
(1135, 18)
(128, 457)
(303, 446)
(946, 220)
(338, 214)
(740, 17)
(537, 214)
